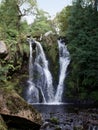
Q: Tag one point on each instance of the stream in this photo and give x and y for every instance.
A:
(68, 117)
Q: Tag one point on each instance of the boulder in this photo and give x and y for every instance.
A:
(3, 49)
(48, 33)
(50, 38)
(17, 113)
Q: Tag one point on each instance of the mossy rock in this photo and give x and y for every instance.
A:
(13, 108)
(54, 120)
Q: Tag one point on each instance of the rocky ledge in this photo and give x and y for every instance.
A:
(16, 113)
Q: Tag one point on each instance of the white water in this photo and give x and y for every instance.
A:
(32, 93)
(64, 61)
(47, 86)
(40, 81)
(30, 63)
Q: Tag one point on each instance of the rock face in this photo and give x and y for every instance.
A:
(49, 38)
(3, 49)
(16, 112)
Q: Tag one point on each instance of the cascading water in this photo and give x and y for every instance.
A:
(40, 88)
(32, 93)
(40, 79)
(64, 61)
(44, 80)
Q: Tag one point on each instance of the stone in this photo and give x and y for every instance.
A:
(3, 48)
(16, 112)
(50, 38)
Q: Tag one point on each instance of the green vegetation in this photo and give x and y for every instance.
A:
(54, 120)
(41, 24)
(79, 23)
(13, 31)
(2, 124)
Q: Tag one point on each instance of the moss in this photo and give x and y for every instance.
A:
(13, 101)
(12, 104)
(2, 124)
(52, 54)
(54, 120)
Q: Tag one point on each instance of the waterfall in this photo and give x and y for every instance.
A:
(44, 81)
(30, 63)
(40, 89)
(40, 79)
(32, 92)
(64, 61)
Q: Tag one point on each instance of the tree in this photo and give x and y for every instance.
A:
(82, 34)
(11, 12)
(41, 24)
(12, 31)
(62, 20)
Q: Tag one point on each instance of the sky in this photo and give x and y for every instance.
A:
(51, 6)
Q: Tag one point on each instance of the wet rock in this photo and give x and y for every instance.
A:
(45, 125)
(78, 128)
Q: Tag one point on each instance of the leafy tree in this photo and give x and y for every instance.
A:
(42, 23)
(12, 31)
(81, 30)
(11, 12)
(62, 20)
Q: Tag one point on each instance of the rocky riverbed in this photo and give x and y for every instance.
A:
(68, 117)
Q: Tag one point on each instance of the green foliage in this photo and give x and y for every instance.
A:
(3, 72)
(83, 44)
(11, 14)
(13, 32)
(94, 95)
(41, 24)
(79, 23)
(81, 30)
(14, 60)
(62, 19)
(2, 124)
